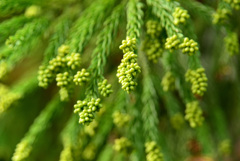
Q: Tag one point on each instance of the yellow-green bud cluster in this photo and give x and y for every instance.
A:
(153, 152)
(120, 119)
(122, 145)
(64, 93)
(66, 154)
(198, 79)
(104, 88)
(86, 110)
(153, 49)
(128, 70)
(89, 152)
(234, 4)
(177, 121)
(168, 82)
(45, 76)
(180, 15)
(232, 43)
(128, 45)
(193, 114)
(152, 45)
(153, 28)
(90, 129)
(7, 98)
(73, 61)
(225, 147)
(221, 15)
(172, 43)
(81, 77)
(63, 50)
(22, 151)
(33, 11)
(63, 79)
(56, 64)
(62, 61)
(189, 46)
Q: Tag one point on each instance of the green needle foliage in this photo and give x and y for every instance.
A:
(128, 80)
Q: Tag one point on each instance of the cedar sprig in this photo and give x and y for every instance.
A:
(103, 46)
(90, 20)
(68, 136)
(40, 124)
(148, 97)
(163, 10)
(198, 9)
(104, 41)
(27, 33)
(23, 41)
(61, 29)
(10, 26)
(134, 18)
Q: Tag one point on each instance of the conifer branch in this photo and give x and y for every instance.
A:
(198, 9)
(134, 18)
(61, 30)
(40, 124)
(163, 10)
(102, 50)
(87, 24)
(24, 40)
(27, 33)
(149, 110)
(10, 26)
(69, 135)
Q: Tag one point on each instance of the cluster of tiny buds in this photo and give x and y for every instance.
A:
(45, 76)
(198, 79)
(128, 45)
(177, 120)
(189, 46)
(120, 119)
(232, 43)
(73, 60)
(172, 43)
(81, 77)
(193, 114)
(33, 11)
(221, 15)
(153, 28)
(123, 145)
(91, 128)
(128, 69)
(22, 151)
(86, 110)
(152, 44)
(234, 4)
(89, 152)
(66, 154)
(225, 147)
(168, 82)
(153, 49)
(180, 15)
(63, 79)
(104, 88)
(64, 93)
(7, 98)
(153, 151)
(63, 50)
(47, 72)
